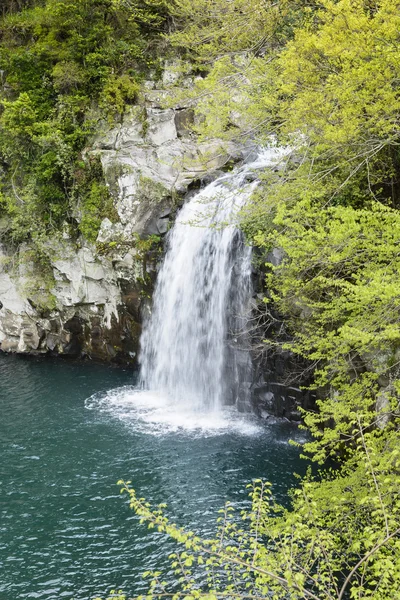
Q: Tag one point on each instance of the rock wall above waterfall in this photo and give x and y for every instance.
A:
(149, 160)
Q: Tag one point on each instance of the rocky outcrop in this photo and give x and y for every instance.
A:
(89, 315)
(149, 162)
(94, 296)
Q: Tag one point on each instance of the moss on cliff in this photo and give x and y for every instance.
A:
(64, 67)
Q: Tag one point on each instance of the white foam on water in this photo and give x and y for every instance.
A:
(154, 413)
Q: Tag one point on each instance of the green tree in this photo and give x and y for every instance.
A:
(340, 538)
(329, 89)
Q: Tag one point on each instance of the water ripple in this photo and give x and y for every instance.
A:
(66, 532)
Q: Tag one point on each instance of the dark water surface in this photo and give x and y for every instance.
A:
(65, 531)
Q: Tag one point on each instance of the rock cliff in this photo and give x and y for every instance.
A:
(92, 301)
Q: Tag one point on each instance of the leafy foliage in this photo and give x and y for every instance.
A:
(62, 63)
(340, 539)
(338, 286)
(319, 77)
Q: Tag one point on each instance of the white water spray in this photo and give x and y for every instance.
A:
(202, 297)
(194, 355)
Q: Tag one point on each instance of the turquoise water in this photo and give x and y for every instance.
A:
(65, 531)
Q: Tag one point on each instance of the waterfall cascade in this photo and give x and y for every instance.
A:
(202, 298)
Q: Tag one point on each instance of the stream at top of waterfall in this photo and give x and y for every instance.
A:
(66, 532)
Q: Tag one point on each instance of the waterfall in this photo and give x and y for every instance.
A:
(202, 298)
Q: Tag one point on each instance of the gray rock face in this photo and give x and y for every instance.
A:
(383, 407)
(149, 159)
(83, 279)
(275, 257)
(89, 315)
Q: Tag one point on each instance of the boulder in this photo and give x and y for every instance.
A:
(278, 400)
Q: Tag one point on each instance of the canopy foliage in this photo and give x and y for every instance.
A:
(64, 67)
